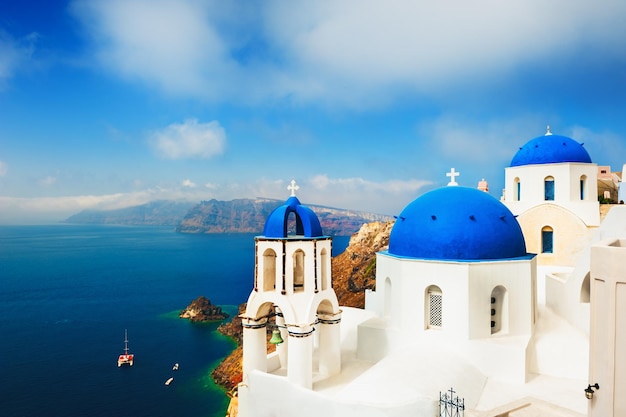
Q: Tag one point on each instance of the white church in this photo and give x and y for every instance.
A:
(483, 307)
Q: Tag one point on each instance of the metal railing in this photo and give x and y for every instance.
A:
(451, 405)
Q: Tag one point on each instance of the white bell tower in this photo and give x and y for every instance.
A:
(293, 283)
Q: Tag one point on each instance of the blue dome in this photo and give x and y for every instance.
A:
(307, 223)
(457, 223)
(550, 149)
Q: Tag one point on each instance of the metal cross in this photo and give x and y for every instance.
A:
(293, 188)
(453, 174)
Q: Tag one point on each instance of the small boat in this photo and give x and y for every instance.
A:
(125, 358)
(175, 367)
(169, 381)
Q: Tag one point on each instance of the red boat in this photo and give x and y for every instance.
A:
(125, 358)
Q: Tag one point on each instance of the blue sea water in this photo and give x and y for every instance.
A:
(68, 292)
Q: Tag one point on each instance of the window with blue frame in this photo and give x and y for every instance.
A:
(549, 188)
(547, 240)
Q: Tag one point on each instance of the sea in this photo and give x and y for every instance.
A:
(69, 292)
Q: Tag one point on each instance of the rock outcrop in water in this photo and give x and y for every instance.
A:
(201, 310)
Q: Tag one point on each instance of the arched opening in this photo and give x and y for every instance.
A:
(499, 310)
(269, 270)
(585, 290)
(517, 189)
(324, 269)
(548, 186)
(547, 240)
(583, 187)
(434, 307)
(327, 340)
(388, 298)
(298, 270)
(292, 224)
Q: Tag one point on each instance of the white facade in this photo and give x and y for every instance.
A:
(473, 307)
(571, 215)
(607, 354)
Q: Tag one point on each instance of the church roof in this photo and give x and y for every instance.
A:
(457, 223)
(307, 223)
(550, 149)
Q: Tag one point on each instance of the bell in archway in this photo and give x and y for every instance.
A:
(276, 339)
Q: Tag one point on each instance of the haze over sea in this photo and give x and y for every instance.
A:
(67, 292)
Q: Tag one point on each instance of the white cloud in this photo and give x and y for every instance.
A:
(47, 181)
(354, 51)
(14, 53)
(4, 168)
(189, 140)
(188, 184)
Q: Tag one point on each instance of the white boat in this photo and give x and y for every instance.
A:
(169, 381)
(175, 367)
(125, 358)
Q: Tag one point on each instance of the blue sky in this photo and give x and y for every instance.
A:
(366, 104)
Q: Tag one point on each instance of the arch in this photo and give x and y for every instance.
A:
(583, 187)
(517, 190)
(324, 269)
(585, 289)
(269, 270)
(547, 240)
(291, 224)
(499, 310)
(433, 304)
(298, 270)
(548, 188)
(388, 298)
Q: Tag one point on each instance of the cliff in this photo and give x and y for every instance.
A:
(201, 310)
(249, 215)
(156, 213)
(353, 271)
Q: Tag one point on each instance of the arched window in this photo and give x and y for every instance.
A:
(434, 307)
(547, 237)
(324, 268)
(548, 185)
(499, 310)
(583, 187)
(585, 290)
(517, 190)
(388, 298)
(269, 270)
(298, 270)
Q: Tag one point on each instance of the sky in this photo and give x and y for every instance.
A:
(366, 104)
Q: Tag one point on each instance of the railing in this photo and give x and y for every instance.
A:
(451, 405)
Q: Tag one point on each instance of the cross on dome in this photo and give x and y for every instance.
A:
(548, 133)
(453, 174)
(293, 188)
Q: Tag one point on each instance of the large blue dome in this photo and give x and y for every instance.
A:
(307, 223)
(457, 223)
(550, 149)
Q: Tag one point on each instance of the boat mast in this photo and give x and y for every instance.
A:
(125, 341)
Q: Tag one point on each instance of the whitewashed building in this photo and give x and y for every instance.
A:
(460, 310)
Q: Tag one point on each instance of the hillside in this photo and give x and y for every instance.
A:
(213, 216)
(249, 216)
(156, 213)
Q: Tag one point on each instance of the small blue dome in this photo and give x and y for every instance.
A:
(457, 223)
(307, 223)
(550, 149)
